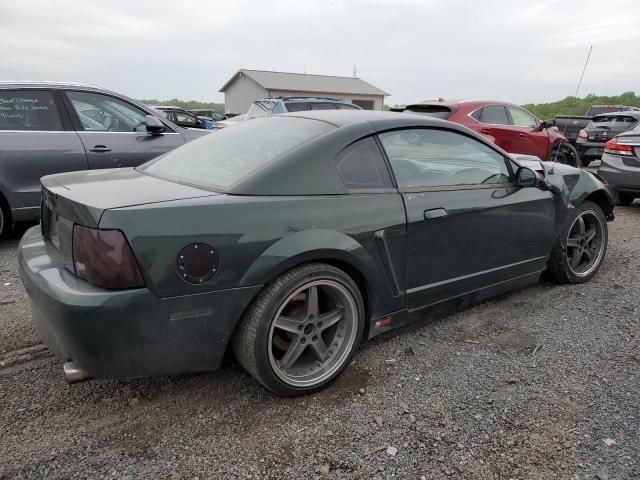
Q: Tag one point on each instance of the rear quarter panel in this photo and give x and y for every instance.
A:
(258, 238)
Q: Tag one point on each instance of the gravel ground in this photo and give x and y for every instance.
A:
(538, 384)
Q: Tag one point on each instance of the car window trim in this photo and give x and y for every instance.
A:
(507, 160)
(76, 120)
(448, 188)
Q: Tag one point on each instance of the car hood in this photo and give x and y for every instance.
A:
(84, 196)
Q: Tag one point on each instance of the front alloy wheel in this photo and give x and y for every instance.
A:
(302, 330)
(581, 246)
(585, 246)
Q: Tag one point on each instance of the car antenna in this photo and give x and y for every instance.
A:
(564, 129)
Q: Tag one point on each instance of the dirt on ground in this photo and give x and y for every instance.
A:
(538, 384)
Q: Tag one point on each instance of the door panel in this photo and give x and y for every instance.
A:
(35, 140)
(113, 131)
(526, 137)
(28, 156)
(468, 226)
(486, 236)
(115, 150)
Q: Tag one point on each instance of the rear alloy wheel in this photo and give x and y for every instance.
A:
(564, 153)
(302, 330)
(581, 247)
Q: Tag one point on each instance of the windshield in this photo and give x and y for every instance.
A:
(225, 157)
(261, 108)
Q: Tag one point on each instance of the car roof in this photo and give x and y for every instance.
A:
(627, 113)
(460, 103)
(381, 120)
(308, 163)
(31, 84)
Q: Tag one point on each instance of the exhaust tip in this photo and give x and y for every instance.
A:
(74, 373)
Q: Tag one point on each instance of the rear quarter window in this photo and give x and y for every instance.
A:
(28, 110)
(361, 166)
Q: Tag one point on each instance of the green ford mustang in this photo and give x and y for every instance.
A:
(289, 239)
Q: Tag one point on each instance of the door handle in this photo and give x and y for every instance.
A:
(522, 134)
(485, 130)
(100, 148)
(435, 213)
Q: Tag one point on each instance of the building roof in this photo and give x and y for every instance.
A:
(304, 82)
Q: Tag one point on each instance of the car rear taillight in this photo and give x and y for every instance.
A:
(582, 134)
(612, 146)
(104, 258)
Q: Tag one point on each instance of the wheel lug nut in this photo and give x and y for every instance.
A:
(303, 340)
(315, 338)
(319, 324)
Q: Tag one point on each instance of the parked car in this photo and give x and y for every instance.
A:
(291, 237)
(511, 127)
(271, 106)
(620, 166)
(600, 130)
(208, 113)
(185, 119)
(570, 125)
(51, 127)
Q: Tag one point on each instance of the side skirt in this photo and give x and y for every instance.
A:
(445, 308)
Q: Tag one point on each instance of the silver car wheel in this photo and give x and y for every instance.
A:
(313, 333)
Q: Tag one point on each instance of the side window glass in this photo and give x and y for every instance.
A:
(361, 166)
(494, 115)
(323, 106)
(347, 106)
(521, 118)
(99, 112)
(28, 110)
(297, 106)
(185, 119)
(477, 114)
(439, 158)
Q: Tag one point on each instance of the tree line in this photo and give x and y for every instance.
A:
(579, 106)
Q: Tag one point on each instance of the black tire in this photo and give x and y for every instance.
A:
(564, 153)
(4, 223)
(623, 199)
(253, 340)
(560, 263)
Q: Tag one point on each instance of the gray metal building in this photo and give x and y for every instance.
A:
(246, 86)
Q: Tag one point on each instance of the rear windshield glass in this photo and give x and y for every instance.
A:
(615, 120)
(437, 111)
(224, 157)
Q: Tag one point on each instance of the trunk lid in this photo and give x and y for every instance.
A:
(82, 197)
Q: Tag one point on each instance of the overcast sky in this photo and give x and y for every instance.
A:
(519, 51)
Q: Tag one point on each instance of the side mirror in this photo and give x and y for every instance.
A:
(154, 125)
(525, 177)
(547, 124)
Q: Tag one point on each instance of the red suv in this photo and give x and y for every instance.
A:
(511, 127)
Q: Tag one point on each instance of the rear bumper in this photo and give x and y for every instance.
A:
(620, 176)
(590, 150)
(125, 333)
